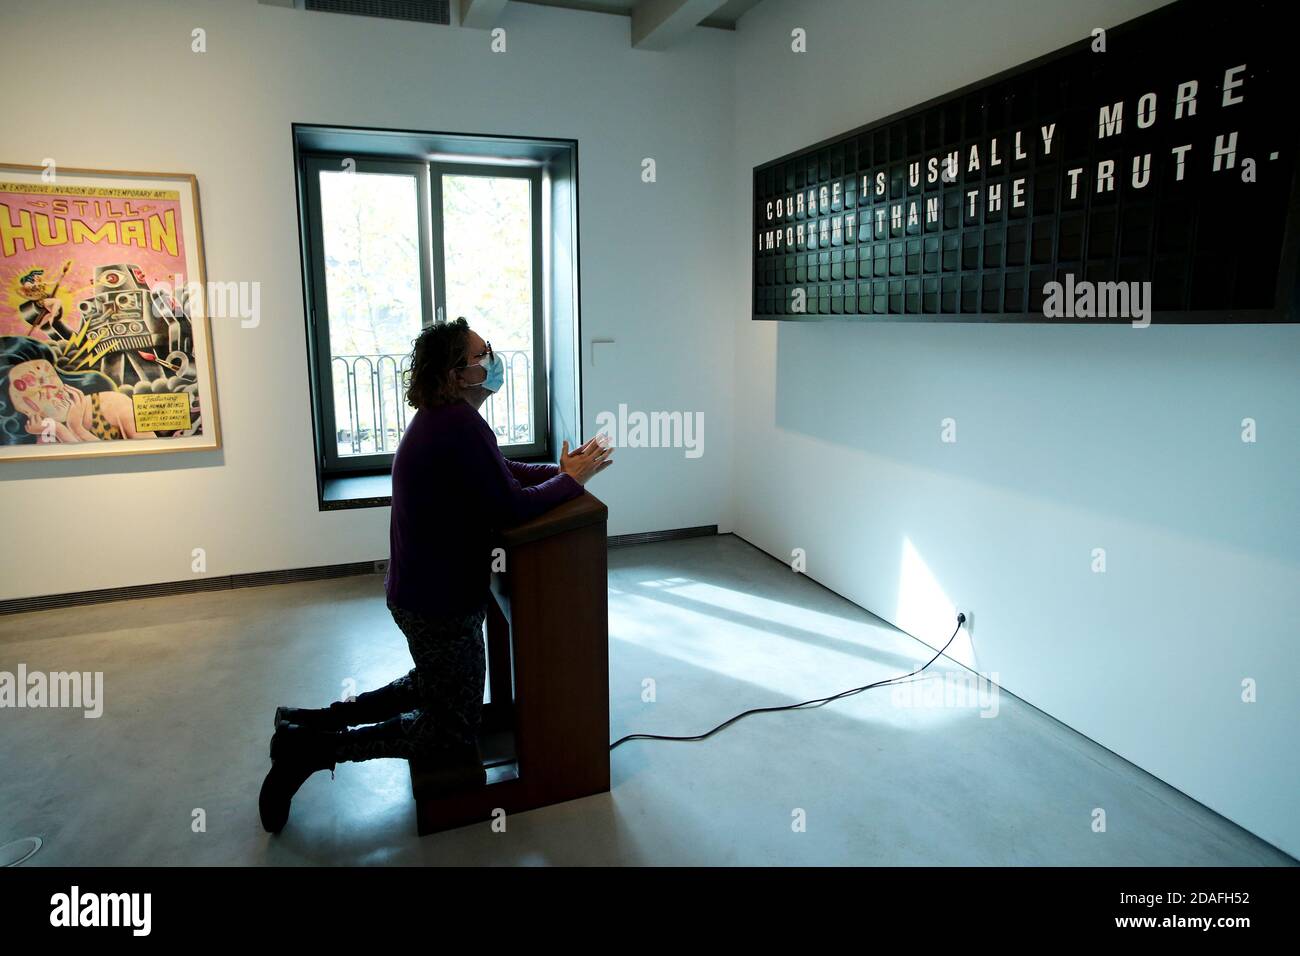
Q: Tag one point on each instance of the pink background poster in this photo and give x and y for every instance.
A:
(103, 337)
(48, 226)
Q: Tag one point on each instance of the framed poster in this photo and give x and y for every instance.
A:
(1147, 172)
(105, 345)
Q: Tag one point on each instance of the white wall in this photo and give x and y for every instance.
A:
(1069, 439)
(121, 89)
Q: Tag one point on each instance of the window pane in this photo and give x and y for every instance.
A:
(370, 226)
(488, 252)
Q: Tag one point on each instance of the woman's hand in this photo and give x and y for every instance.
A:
(588, 461)
(36, 425)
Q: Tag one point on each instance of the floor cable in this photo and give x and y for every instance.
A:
(817, 702)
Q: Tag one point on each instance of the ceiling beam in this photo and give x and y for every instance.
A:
(480, 14)
(657, 24)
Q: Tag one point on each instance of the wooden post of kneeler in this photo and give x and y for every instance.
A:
(545, 734)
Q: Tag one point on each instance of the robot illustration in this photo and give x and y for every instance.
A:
(129, 332)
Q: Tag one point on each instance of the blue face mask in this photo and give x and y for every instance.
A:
(496, 374)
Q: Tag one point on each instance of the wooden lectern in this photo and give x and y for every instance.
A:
(545, 734)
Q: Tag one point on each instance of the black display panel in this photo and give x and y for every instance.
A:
(1085, 186)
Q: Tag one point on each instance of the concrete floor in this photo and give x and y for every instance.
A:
(191, 683)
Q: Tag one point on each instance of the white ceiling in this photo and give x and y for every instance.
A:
(656, 24)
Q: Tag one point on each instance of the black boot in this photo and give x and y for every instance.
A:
(333, 717)
(296, 753)
(369, 707)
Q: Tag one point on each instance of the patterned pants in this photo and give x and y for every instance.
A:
(438, 706)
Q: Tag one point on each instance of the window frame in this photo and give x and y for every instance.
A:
(428, 176)
(322, 358)
(540, 402)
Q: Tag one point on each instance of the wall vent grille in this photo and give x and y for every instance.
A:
(649, 537)
(423, 11)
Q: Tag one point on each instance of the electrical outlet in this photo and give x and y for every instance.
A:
(381, 567)
(969, 624)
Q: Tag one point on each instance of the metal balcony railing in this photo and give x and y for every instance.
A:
(370, 410)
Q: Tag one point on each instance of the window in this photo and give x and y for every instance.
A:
(371, 277)
(491, 274)
(394, 245)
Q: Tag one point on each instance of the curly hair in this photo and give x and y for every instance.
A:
(438, 350)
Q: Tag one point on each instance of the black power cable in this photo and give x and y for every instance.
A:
(818, 702)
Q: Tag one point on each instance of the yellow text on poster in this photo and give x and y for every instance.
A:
(161, 413)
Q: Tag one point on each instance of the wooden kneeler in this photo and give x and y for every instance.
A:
(545, 734)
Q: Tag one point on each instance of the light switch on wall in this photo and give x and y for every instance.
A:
(594, 343)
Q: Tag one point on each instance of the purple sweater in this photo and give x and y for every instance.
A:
(452, 488)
